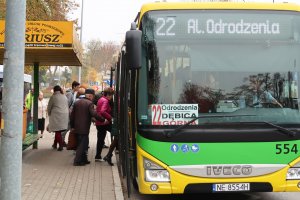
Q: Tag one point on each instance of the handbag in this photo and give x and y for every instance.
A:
(30, 127)
(72, 141)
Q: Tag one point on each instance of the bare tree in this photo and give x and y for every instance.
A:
(2, 9)
(92, 55)
(107, 51)
(99, 55)
(52, 72)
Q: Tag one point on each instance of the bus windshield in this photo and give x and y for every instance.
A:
(213, 62)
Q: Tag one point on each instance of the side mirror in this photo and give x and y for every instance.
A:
(134, 48)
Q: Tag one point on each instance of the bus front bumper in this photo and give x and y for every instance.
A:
(180, 183)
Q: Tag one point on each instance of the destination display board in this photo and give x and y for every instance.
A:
(173, 114)
(198, 24)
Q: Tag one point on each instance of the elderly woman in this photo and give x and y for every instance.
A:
(42, 113)
(58, 111)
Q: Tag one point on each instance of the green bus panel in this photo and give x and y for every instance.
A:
(175, 153)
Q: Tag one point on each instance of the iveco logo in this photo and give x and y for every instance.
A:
(229, 170)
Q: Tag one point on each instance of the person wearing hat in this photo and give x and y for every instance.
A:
(81, 118)
(103, 109)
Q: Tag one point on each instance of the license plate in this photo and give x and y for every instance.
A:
(231, 187)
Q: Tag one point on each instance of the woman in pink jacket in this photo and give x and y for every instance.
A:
(103, 109)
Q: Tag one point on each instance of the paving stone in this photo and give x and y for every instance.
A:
(48, 174)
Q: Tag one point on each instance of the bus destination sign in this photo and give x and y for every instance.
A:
(221, 25)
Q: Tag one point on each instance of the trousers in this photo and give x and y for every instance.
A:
(101, 133)
(82, 148)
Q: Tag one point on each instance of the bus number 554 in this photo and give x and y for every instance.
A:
(286, 148)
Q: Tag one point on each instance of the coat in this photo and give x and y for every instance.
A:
(58, 111)
(104, 110)
(42, 109)
(81, 116)
(29, 100)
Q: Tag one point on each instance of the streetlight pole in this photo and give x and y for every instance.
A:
(13, 77)
(81, 25)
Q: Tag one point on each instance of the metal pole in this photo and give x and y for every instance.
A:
(35, 101)
(111, 76)
(13, 81)
(81, 25)
(81, 21)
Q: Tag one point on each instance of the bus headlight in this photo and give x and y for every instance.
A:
(157, 175)
(293, 174)
(155, 172)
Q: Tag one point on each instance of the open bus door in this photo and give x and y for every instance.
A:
(126, 75)
(121, 118)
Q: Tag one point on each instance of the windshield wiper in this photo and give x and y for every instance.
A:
(175, 131)
(280, 128)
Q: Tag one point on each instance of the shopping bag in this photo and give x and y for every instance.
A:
(30, 127)
(72, 141)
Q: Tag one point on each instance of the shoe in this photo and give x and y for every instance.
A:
(54, 146)
(64, 144)
(79, 164)
(87, 162)
(107, 158)
(106, 147)
(60, 149)
(98, 158)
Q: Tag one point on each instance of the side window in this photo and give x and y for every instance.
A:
(153, 73)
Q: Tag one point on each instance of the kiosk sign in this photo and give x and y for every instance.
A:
(45, 34)
(173, 114)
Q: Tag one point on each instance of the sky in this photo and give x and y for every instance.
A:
(108, 20)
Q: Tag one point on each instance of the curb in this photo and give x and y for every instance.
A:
(117, 180)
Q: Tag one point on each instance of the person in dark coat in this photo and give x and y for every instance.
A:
(81, 118)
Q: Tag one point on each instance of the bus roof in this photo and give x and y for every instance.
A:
(218, 6)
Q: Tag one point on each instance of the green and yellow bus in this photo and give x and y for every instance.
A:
(208, 98)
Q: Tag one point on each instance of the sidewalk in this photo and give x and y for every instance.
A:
(49, 174)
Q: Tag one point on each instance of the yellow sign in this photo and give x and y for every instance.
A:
(44, 34)
(2, 123)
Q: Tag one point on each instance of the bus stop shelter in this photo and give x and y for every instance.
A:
(47, 43)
